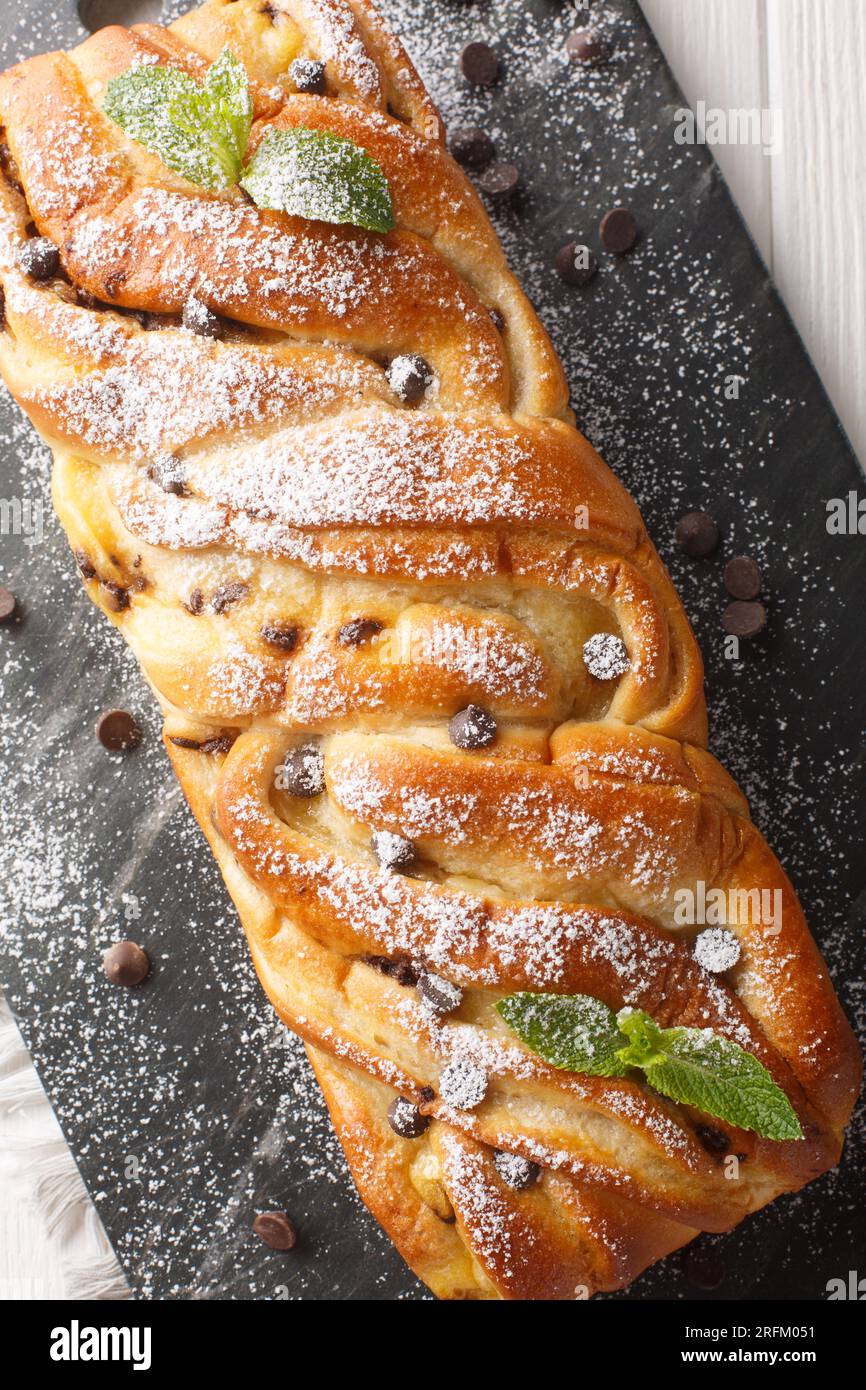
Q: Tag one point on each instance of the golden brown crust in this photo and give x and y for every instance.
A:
(482, 540)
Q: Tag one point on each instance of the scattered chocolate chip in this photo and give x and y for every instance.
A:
(198, 318)
(276, 1230)
(715, 1141)
(697, 534)
(308, 75)
(606, 656)
(716, 950)
(472, 147)
(116, 597)
(472, 727)
(409, 377)
(392, 851)
(497, 320)
(401, 970)
(587, 46)
(479, 64)
(7, 604)
(2, 308)
(117, 731)
(744, 619)
(358, 631)
(406, 1119)
(85, 564)
(575, 263)
(283, 636)
(463, 1084)
(302, 772)
(515, 1171)
(195, 602)
(743, 578)
(500, 181)
(439, 995)
(39, 258)
(125, 963)
(427, 1094)
(169, 474)
(618, 231)
(228, 594)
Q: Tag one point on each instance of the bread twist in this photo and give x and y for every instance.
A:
(316, 576)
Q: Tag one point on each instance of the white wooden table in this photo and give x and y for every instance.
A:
(806, 208)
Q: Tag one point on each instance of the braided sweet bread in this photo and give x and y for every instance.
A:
(426, 684)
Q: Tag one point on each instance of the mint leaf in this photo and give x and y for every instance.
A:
(572, 1031)
(199, 131)
(693, 1066)
(228, 89)
(699, 1068)
(310, 173)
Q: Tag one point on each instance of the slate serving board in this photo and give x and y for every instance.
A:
(186, 1106)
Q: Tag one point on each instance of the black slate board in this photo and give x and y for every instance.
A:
(185, 1105)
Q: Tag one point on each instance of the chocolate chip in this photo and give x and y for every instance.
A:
(440, 996)
(302, 772)
(406, 1119)
(308, 75)
(715, 1141)
(283, 636)
(39, 258)
(402, 970)
(159, 323)
(463, 1084)
(618, 231)
(116, 597)
(587, 46)
(7, 604)
(276, 1230)
(697, 534)
(744, 619)
(716, 950)
(195, 602)
(742, 576)
(117, 731)
(409, 377)
(2, 308)
(472, 727)
(169, 474)
(228, 594)
(472, 147)
(85, 564)
(358, 631)
(606, 656)
(392, 851)
(221, 744)
(575, 263)
(125, 963)
(497, 320)
(515, 1171)
(500, 182)
(427, 1094)
(479, 64)
(198, 318)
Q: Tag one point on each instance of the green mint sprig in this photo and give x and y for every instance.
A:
(693, 1066)
(201, 130)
